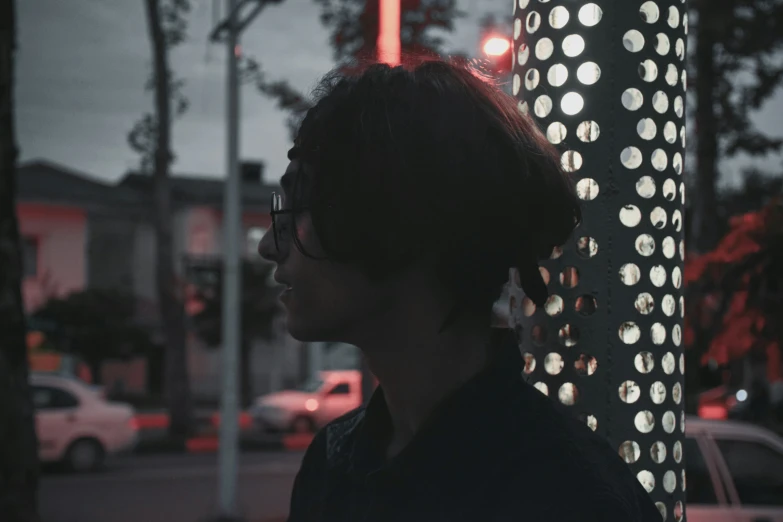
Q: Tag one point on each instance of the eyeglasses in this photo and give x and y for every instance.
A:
(280, 224)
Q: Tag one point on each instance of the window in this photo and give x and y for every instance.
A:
(341, 389)
(757, 471)
(699, 488)
(51, 398)
(30, 256)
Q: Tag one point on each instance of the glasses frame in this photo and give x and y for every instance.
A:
(276, 209)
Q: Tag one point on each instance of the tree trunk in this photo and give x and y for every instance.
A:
(177, 387)
(246, 384)
(18, 442)
(705, 217)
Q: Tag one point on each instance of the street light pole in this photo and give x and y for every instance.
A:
(228, 31)
(229, 414)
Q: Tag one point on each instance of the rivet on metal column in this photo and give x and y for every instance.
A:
(605, 81)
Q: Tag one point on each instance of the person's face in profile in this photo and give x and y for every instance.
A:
(324, 300)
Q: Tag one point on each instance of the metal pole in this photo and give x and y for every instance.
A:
(605, 80)
(229, 421)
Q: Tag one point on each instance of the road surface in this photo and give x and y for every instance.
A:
(168, 488)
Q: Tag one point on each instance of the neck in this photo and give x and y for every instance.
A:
(417, 367)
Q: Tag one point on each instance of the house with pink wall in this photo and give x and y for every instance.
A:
(79, 232)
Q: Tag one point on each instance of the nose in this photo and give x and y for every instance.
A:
(267, 248)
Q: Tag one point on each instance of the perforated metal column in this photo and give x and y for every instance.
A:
(606, 82)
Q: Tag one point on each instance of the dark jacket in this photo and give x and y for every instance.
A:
(497, 450)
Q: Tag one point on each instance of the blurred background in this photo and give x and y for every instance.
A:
(116, 447)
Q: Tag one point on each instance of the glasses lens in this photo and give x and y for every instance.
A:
(275, 206)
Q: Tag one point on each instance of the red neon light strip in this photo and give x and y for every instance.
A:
(389, 32)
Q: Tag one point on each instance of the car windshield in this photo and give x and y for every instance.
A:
(311, 386)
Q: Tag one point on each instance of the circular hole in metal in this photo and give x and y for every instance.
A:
(629, 451)
(679, 106)
(659, 160)
(668, 305)
(569, 277)
(668, 422)
(644, 304)
(590, 14)
(648, 71)
(585, 365)
(573, 45)
(677, 335)
(557, 75)
(669, 481)
(674, 17)
(571, 103)
(532, 77)
(658, 334)
(553, 363)
(629, 332)
(630, 215)
(644, 362)
(662, 44)
(588, 131)
(544, 274)
(645, 187)
(657, 392)
(658, 452)
(533, 22)
(523, 3)
(587, 247)
(515, 82)
(645, 244)
(669, 189)
(528, 307)
(668, 247)
(677, 220)
(629, 392)
(646, 128)
(684, 80)
(662, 510)
(677, 277)
(658, 275)
(649, 12)
(668, 363)
(517, 28)
(677, 451)
(633, 41)
(568, 394)
(523, 108)
(542, 387)
(658, 217)
(554, 305)
(630, 274)
(677, 162)
(679, 512)
(556, 132)
(660, 102)
(671, 74)
(631, 157)
(679, 49)
(556, 252)
(544, 49)
(677, 393)
(523, 53)
(530, 363)
(558, 17)
(568, 335)
(571, 161)
(591, 422)
(543, 106)
(587, 189)
(644, 421)
(588, 73)
(670, 132)
(632, 98)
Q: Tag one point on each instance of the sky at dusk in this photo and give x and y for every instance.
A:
(82, 66)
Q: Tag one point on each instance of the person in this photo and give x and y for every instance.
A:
(410, 192)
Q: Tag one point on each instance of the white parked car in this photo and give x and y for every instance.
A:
(76, 425)
(311, 406)
(734, 472)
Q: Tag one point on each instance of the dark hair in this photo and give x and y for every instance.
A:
(433, 159)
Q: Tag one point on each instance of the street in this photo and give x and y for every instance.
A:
(168, 488)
